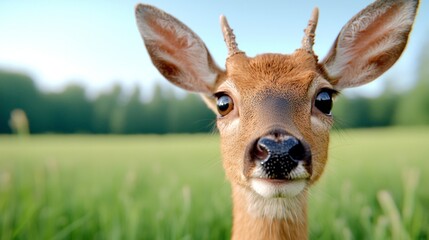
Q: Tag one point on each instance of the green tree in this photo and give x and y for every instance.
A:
(157, 112)
(414, 106)
(384, 107)
(69, 111)
(18, 91)
(105, 111)
(134, 114)
(352, 112)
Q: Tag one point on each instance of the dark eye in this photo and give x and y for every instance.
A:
(224, 104)
(323, 101)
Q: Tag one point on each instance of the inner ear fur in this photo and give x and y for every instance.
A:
(370, 43)
(176, 51)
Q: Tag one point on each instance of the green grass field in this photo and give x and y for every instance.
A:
(173, 187)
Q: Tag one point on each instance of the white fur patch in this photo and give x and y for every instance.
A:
(229, 127)
(275, 207)
(320, 125)
(277, 190)
(276, 200)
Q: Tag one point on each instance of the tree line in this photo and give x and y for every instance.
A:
(70, 111)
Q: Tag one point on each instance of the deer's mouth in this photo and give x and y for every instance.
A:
(279, 185)
(278, 188)
(275, 181)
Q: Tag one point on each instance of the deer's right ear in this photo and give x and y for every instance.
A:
(176, 51)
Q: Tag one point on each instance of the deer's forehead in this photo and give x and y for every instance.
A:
(285, 74)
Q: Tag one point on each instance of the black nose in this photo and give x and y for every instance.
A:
(280, 153)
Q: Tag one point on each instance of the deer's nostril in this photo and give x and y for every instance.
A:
(297, 152)
(261, 152)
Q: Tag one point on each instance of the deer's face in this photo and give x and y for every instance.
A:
(274, 120)
(274, 110)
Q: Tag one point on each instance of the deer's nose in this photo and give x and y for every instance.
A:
(280, 153)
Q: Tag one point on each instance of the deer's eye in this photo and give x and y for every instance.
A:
(323, 101)
(224, 104)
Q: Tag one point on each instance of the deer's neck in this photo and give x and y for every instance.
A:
(252, 220)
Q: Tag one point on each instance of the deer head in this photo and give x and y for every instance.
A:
(274, 110)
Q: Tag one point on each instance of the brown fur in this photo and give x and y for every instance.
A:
(286, 76)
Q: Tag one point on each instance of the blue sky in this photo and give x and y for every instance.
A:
(96, 43)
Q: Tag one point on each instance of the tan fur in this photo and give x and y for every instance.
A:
(276, 91)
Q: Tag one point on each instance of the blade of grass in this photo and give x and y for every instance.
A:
(71, 227)
(388, 205)
(410, 179)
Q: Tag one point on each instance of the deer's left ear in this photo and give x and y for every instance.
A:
(370, 43)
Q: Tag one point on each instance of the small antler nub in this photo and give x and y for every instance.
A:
(309, 32)
(229, 37)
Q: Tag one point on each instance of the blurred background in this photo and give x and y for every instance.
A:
(81, 66)
(76, 75)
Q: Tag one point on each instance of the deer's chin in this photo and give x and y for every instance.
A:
(273, 188)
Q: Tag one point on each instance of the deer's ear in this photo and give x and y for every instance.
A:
(370, 43)
(176, 51)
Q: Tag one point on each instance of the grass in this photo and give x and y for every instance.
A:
(374, 186)
(173, 187)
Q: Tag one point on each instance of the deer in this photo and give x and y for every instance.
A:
(274, 111)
